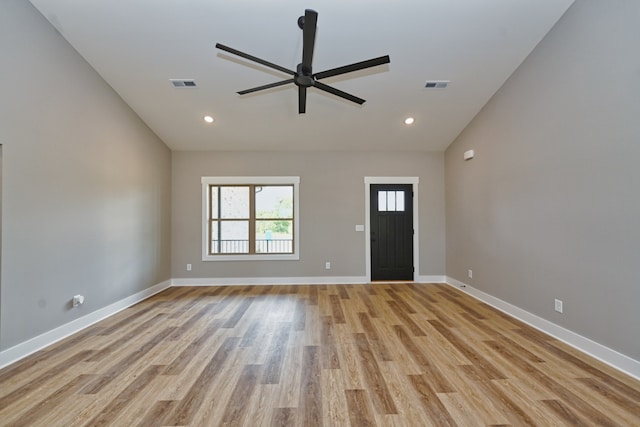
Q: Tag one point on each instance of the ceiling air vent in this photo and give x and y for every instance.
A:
(183, 82)
(437, 84)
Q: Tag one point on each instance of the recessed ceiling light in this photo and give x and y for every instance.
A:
(408, 121)
(209, 119)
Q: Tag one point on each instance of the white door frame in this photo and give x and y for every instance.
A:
(413, 180)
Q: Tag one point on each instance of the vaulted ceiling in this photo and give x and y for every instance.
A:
(137, 46)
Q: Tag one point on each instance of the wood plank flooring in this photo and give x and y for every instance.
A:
(322, 355)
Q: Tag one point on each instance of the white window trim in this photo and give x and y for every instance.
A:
(257, 180)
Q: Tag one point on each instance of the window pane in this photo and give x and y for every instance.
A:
(213, 197)
(234, 202)
(382, 201)
(391, 195)
(215, 244)
(274, 236)
(234, 237)
(400, 201)
(274, 202)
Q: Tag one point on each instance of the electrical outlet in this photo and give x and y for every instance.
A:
(470, 274)
(78, 300)
(188, 267)
(558, 305)
(327, 265)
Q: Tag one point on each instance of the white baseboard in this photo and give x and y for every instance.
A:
(239, 281)
(611, 357)
(316, 280)
(432, 279)
(28, 347)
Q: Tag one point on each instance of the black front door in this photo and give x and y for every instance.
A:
(391, 232)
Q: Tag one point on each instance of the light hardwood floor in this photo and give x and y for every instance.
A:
(333, 355)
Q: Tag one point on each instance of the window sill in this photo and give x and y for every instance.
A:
(265, 257)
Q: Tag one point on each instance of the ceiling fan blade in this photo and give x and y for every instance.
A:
(302, 99)
(309, 38)
(353, 67)
(254, 59)
(269, 86)
(339, 93)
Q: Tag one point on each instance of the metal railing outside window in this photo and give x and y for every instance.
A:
(263, 246)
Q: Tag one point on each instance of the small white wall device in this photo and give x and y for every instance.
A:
(78, 300)
(468, 155)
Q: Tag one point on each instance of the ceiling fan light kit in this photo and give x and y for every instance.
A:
(303, 76)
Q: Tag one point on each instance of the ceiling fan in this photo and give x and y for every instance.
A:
(303, 76)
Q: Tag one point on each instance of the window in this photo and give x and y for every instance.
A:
(250, 218)
(390, 201)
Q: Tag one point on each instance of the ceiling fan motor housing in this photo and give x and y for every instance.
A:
(303, 77)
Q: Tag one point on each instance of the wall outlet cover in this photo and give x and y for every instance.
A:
(558, 305)
(78, 300)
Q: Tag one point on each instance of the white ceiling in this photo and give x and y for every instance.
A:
(138, 45)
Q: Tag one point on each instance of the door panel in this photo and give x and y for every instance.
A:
(391, 231)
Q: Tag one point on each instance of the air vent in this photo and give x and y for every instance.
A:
(183, 83)
(437, 84)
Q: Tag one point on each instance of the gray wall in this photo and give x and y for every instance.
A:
(331, 204)
(86, 197)
(0, 223)
(550, 206)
